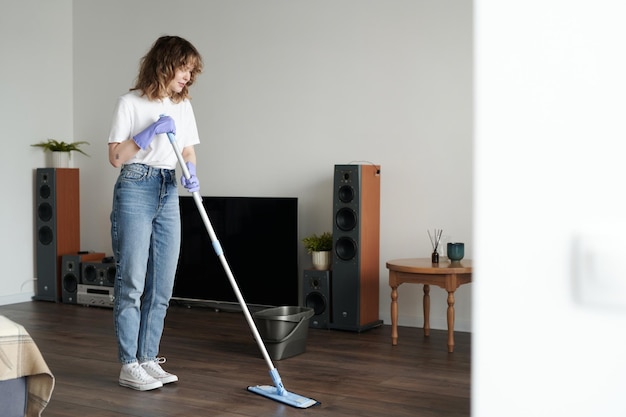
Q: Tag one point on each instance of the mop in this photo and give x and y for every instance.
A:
(278, 391)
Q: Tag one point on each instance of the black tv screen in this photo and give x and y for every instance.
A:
(259, 238)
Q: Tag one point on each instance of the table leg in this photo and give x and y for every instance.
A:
(394, 315)
(451, 321)
(426, 310)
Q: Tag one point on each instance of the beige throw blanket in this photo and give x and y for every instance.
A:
(20, 357)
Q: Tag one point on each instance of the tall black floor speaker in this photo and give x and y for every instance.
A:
(356, 236)
(316, 295)
(57, 220)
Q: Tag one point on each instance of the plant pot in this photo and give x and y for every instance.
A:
(61, 159)
(321, 260)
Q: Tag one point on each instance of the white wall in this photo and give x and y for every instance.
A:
(550, 91)
(292, 88)
(36, 82)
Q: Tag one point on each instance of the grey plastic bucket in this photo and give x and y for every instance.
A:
(284, 330)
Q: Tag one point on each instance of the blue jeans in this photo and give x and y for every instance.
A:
(145, 233)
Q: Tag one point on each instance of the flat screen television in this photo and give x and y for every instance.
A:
(259, 237)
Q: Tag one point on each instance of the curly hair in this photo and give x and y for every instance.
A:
(158, 67)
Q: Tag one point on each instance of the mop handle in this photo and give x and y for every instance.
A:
(220, 253)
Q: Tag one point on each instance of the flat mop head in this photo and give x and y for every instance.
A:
(286, 397)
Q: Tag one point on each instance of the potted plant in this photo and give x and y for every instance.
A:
(320, 247)
(61, 151)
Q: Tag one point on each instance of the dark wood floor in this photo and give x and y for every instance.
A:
(216, 358)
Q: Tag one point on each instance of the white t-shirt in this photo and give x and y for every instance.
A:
(133, 113)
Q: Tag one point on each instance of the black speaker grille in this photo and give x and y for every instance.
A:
(70, 283)
(90, 273)
(45, 235)
(345, 248)
(44, 190)
(317, 302)
(346, 219)
(44, 211)
(111, 275)
(346, 193)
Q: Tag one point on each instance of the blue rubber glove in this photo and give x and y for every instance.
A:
(192, 184)
(165, 124)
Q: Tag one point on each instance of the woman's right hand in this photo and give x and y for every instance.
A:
(165, 124)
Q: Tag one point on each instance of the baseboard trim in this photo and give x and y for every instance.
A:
(16, 298)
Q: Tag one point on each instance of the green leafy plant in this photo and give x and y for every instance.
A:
(56, 146)
(321, 243)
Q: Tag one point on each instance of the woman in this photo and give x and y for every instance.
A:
(145, 219)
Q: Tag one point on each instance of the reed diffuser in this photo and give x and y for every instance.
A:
(435, 239)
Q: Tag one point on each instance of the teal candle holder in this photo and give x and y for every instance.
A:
(456, 251)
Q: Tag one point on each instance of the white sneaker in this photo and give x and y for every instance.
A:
(153, 368)
(135, 376)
